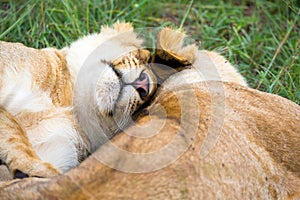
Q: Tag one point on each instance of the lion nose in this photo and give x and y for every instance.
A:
(141, 85)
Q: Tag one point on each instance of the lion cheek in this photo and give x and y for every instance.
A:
(106, 98)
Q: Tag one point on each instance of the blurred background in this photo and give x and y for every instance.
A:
(261, 38)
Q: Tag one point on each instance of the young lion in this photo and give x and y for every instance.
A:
(37, 126)
(39, 133)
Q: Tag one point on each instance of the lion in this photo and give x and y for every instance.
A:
(39, 131)
(216, 139)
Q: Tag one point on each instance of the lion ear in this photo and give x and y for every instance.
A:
(170, 56)
(166, 63)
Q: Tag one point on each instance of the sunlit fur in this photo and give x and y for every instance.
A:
(37, 92)
(253, 146)
(36, 99)
(207, 65)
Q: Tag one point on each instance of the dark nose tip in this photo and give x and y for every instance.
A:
(141, 85)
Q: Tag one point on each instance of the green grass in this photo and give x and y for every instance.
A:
(261, 38)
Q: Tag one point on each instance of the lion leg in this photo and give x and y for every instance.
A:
(17, 152)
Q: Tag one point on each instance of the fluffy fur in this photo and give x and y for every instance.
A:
(39, 134)
(255, 156)
(39, 102)
(207, 65)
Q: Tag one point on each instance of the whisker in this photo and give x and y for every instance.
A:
(125, 117)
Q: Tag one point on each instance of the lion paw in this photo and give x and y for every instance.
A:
(35, 168)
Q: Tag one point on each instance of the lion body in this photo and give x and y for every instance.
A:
(233, 142)
(36, 92)
(39, 134)
(242, 164)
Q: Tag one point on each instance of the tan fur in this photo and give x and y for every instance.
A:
(242, 165)
(36, 96)
(255, 154)
(23, 157)
(48, 69)
(207, 65)
(47, 66)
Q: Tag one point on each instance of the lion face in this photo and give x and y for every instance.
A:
(115, 76)
(126, 85)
